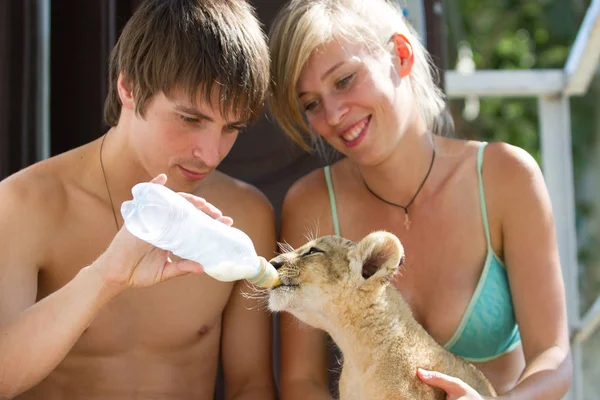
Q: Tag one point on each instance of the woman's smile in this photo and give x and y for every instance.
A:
(353, 135)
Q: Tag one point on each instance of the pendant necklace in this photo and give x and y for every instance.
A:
(112, 207)
(405, 208)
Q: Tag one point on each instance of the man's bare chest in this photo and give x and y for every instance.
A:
(170, 315)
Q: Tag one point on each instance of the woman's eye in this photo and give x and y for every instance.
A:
(344, 82)
(313, 250)
(311, 106)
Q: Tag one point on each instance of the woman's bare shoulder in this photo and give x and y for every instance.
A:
(510, 165)
(307, 208)
(513, 180)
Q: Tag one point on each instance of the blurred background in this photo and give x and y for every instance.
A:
(520, 71)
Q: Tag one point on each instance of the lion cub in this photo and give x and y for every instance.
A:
(343, 288)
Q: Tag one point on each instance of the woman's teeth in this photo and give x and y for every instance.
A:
(355, 132)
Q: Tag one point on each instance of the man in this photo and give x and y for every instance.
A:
(86, 309)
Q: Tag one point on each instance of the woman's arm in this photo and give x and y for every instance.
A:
(533, 264)
(519, 200)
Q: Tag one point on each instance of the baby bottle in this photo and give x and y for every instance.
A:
(166, 220)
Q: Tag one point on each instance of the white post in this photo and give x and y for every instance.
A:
(555, 128)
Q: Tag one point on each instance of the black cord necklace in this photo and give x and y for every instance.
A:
(405, 208)
(112, 207)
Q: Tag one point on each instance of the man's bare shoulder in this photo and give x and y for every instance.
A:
(42, 191)
(249, 207)
(33, 203)
(34, 192)
(247, 192)
(238, 199)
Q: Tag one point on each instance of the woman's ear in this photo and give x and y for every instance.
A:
(125, 92)
(404, 52)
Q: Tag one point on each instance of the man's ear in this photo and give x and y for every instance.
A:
(125, 92)
(405, 56)
(378, 256)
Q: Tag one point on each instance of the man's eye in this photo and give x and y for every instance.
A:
(233, 129)
(189, 120)
(313, 250)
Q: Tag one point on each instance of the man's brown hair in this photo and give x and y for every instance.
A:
(192, 45)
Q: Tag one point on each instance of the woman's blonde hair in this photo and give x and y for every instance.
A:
(303, 25)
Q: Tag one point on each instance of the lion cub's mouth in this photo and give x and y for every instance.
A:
(283, 284)
(285, 279)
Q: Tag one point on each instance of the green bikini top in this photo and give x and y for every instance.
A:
(488, 328)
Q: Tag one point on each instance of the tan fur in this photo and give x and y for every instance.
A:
(343, 288)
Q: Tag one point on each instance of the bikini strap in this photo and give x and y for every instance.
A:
(334, 214)
(484, 215)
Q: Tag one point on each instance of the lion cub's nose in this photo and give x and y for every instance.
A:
(277, 263)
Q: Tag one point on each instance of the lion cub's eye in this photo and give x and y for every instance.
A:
(313, 250)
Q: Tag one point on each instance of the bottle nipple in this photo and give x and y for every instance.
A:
(267, 276)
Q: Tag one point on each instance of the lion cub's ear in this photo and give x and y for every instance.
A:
(377, 256)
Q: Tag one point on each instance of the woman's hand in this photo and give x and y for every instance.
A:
(455, 388)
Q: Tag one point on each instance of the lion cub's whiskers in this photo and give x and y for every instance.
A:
(312, 233)
(259, 295)
(284, 247)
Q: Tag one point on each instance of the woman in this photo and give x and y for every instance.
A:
(482, 271)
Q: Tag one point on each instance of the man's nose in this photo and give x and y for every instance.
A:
(206, 148)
